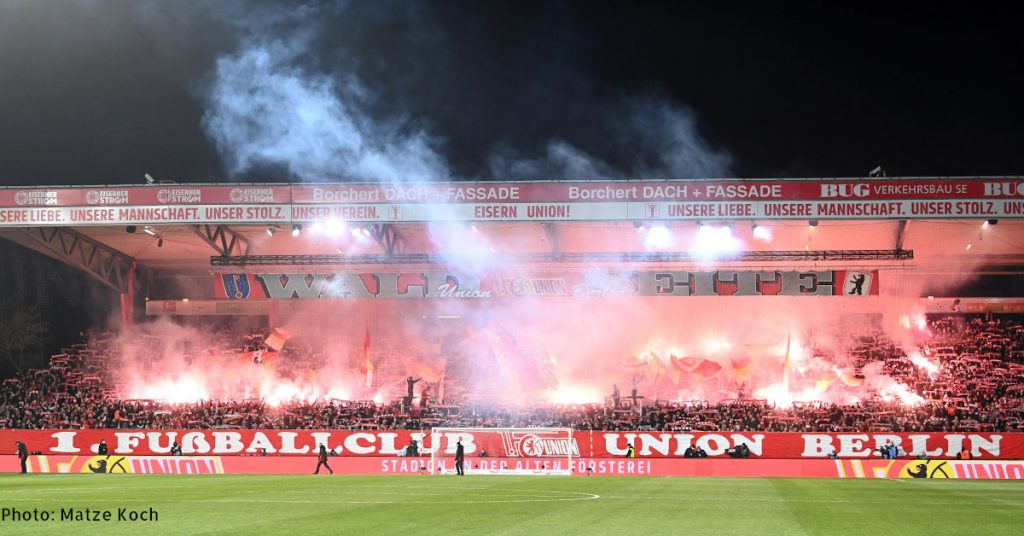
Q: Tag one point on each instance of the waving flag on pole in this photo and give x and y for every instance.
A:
(849, 378)
(786, 363)
(656, 365)
(741, 366)
(366, 354)
(634, 362)
(275, 341)
(673, 373)
(696, 365)
(824, 381)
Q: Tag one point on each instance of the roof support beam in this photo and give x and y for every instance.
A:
(901, 234)
(551, 232)
(107, 265)
(583, 257)
(387, 237)
(223, 240)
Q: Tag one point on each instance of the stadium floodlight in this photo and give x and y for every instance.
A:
(518, 451)
(712, 242)
(296, 230)
(271, 230)
(334, 227)
(812, 223)
(877, 172)
(761, 232)
(990, 222)
(658, 237)
(149, 231)
(149, 179)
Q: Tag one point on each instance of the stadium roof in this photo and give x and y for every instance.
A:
(183, 247)
(604, 220)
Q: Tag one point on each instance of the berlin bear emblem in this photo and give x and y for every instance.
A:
(857, 284)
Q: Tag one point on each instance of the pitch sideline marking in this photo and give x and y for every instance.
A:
(583, 496)
(590, 496)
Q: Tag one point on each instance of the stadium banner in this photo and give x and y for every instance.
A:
(144, 215)
(586, 444)
(398, 192)
(300, 214)
(207, 307)
(116, 464)
(242, 286)
(719, 199)
(946, 306)
(970, 469)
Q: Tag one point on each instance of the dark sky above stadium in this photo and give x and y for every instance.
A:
(98, 91)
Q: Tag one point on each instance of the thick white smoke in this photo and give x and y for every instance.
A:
(276, 103)
(273, 104)
(659, 136)
(163, 360)
(266, 110)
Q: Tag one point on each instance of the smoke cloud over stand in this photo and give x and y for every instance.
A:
(520, 351)
(316, 93)
(323, 106)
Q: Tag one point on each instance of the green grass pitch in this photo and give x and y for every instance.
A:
(475, 505)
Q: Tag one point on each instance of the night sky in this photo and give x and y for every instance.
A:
(101, 92)
(96, 92)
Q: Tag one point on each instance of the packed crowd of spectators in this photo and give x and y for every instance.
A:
(975, 383)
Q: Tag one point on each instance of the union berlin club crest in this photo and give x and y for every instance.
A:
(236, 286)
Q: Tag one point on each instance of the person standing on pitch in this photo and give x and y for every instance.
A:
(460, 456)
(22, 456)
(322, 460)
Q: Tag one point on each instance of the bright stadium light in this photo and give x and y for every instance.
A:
(762, 233)
(658, 237)
(296, 230)
(334, 227)
(714, 241)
